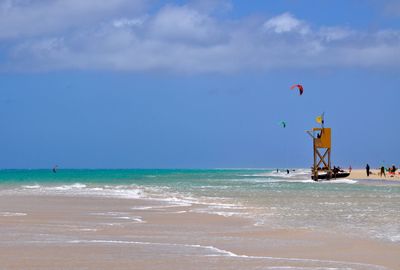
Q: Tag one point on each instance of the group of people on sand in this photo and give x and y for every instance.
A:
(382, 170)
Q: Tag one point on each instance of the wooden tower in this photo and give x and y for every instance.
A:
(322, 152)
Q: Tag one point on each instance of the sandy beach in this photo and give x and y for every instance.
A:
(51, 232)
(359, 174)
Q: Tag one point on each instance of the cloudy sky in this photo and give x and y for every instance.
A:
(203, 83)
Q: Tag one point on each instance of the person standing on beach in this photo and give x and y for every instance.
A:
(367, 168)
(383, 171)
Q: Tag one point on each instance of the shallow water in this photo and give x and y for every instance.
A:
(267, 198)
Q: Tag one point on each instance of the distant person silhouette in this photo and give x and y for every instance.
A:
(383, 171)
(368, 171)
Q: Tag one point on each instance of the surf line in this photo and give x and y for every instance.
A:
(226, 253)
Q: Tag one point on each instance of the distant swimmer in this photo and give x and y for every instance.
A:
(55, 169)
(287, 171)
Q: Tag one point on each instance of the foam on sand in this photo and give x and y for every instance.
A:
(211, 251)
(11, 214)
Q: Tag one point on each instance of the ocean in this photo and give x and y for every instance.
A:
(265, 197)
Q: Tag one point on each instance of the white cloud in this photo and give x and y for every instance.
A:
(187, 39)
(124, 22)
(286, 23)
(184, 24)
(27, 18)
(335, 33)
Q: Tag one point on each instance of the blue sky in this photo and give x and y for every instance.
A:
(196, 84)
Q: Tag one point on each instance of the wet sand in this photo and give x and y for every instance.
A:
(60, 232)
(375, 175)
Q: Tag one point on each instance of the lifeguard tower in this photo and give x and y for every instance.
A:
(322, 153)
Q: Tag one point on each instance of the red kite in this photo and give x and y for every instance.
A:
(299, 86)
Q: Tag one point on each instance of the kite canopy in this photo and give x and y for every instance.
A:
(299, 86)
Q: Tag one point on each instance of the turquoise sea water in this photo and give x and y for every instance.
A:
(267, 198)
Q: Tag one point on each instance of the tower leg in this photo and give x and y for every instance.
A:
(315, 166)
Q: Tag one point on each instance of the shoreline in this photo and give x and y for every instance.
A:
(47, 232)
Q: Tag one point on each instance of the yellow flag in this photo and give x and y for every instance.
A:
(319, 119)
